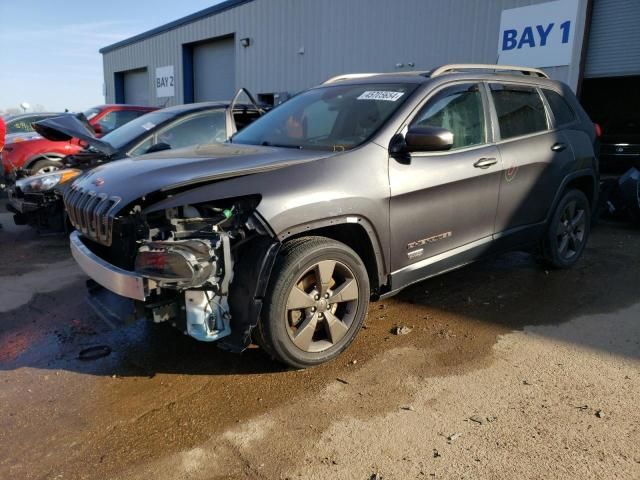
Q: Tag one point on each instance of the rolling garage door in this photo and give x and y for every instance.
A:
(214, 70)
(614, 40)
(136, 87)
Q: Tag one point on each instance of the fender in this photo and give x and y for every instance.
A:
(568, 179)
(343, 220)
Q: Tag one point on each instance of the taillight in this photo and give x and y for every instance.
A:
(598, 130)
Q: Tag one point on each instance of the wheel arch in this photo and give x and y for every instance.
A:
(583, 180)
(42, 156)
(354, 231)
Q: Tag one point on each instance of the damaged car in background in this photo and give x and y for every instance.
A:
(37, 200)
(29, 153)
(346, 193)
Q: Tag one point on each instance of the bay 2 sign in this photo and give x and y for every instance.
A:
(539, 35)
(165, 82)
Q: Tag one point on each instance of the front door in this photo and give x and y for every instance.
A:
(444, 203)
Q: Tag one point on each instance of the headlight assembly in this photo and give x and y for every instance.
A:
(46, 181)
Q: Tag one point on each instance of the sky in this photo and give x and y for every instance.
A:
(49, 48)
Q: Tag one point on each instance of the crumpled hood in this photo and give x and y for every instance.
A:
(66, 127)
(133, 178)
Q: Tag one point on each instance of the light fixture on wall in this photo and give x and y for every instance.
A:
(245, 42)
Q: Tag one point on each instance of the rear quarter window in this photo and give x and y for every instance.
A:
(520, 110)
(562, 111)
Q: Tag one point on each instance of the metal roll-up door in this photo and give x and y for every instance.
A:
(614, 40)
(214, 70)
(136, 87)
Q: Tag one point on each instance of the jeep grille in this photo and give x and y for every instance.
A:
(91, 213)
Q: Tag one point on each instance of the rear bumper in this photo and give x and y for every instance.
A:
(123, 282)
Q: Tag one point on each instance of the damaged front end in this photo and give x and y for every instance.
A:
(201, 268)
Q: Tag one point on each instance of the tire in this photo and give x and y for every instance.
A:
(568, 231)
(44, 166)
(320, 270)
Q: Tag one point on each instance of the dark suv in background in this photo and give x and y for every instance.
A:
(347, 192)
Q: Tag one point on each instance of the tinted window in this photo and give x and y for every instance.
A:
(116, 118)
(332, 117)
(562, 112)
(201, 129)
(459, 110)
(520, 110)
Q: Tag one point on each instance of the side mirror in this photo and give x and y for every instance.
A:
(428, 139)
(158, 147)
(97, 128)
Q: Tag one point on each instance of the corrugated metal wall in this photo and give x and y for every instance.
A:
(337, 36)
(614, 40)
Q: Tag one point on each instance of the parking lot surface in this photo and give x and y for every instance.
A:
(507, 370)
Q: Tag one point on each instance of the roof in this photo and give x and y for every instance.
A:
(207, 12)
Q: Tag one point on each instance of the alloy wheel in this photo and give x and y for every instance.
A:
(571, 230)
(321, 306)
(47, 169)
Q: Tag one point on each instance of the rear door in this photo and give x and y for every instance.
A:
(534, 156)
(442, 201)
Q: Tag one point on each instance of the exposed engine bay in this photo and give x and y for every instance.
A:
(188, 255)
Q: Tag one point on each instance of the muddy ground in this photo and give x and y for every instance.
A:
(509, 371)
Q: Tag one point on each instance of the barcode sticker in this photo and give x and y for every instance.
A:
(381, 95)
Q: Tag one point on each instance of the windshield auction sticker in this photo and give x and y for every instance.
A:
(381, 95)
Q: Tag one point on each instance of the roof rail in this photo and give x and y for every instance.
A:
(479, 66)
(348, 76)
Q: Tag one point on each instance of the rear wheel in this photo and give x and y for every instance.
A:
(568, 230)
(317, 301)
(44, 166)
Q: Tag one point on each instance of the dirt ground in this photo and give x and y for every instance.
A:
(509, 372)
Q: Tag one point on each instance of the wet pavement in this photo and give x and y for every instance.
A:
(158, 393)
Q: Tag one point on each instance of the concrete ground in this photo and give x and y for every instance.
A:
(509, 372)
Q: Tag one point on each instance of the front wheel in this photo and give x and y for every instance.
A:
(44, 166)
(317, 301)
(568, 230)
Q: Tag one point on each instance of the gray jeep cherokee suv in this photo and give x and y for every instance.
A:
(348, 192)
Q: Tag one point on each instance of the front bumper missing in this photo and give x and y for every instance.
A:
(123, 282)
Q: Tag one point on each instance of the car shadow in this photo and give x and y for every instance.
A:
(511, 291)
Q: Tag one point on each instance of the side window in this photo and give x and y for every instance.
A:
(142, 148)
(117, 118)
(458, 109)
(562, 112)
(200, 129)
(520, 110)
(23, 125)
(244, 118)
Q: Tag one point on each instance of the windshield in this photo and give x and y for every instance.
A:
(335, 118)
(132, 130)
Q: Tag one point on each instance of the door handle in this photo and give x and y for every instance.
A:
(559, 147)
(485, 162)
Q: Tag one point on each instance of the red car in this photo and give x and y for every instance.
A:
(31, 152)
